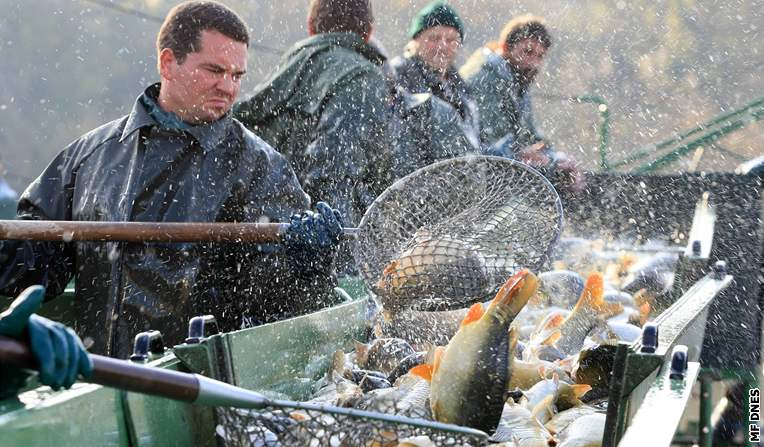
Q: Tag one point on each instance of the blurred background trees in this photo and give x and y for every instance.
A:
(662, 67)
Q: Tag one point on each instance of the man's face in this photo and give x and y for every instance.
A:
(204, 87)
(437, 46)
(527, 56)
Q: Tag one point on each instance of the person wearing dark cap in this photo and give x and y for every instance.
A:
(439, 119)
(499, 76)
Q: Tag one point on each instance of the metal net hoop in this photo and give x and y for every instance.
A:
(459, 228)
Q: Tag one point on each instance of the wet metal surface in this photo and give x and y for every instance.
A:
(658, 417)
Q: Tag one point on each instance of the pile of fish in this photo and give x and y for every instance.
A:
(530, 367)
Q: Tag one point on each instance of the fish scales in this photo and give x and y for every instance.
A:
(471, 375)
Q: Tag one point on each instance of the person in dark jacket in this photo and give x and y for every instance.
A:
(325, 108)
(499, 76)
(178, 156)
(437, 118)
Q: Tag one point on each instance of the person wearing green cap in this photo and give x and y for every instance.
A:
(438, 119)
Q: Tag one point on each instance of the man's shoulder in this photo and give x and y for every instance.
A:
(99, 137)
(483, 63)
(255, 147)
(341, 63)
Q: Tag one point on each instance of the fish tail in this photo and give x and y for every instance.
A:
(580, 389)
(338, 364)
(386, 280)
(644, 313)
(361, 353)
(593, 297)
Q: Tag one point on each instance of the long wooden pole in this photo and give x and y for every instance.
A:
(115, 373)
(203, 390)
(69, 231)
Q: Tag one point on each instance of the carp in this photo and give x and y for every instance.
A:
(518, 427)
(470, 376)
(382, 354)
(590, 309)
(436, 268)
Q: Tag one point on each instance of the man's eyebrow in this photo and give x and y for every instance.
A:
(213, 66)
(217, 67)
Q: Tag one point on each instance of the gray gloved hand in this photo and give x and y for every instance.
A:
(312, 239)
(58, 350)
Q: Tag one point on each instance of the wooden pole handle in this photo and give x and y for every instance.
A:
(68, 231)
(115, 373)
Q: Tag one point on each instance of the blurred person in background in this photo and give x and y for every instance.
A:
(8, 196)
(435, 117)
(499, 76)
(325, 108)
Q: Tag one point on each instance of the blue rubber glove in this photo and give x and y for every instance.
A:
(58, 350)
(312, 239)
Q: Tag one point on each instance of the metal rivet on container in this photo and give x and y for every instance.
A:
(145, 343)
(719, 270)
(649, 338)
(678, 362)
(201, 327)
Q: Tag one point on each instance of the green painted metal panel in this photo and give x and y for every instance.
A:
(285, 357)
(155, 421)
(634, 372)
(84, 415)
(658, 417)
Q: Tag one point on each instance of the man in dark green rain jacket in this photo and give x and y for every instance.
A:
(325, 108)
(179, 156)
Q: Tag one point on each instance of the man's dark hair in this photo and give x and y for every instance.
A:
(182, 28)
(340, 16)
(523, 27)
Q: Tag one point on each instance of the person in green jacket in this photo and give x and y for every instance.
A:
(326, 108)
(435, 115)
(499, 75)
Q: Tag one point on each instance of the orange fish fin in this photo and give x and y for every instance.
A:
(474, 314)
(555, 321)
(593, 297)
(644, 313)
(594, 291)
(552, 338)
(581, 389)
(361, 353)
(567, 363)
(424, 371)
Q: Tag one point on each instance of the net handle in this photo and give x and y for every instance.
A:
(201, 390)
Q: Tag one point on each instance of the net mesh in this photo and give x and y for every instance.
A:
(448, 234)
(300, 427)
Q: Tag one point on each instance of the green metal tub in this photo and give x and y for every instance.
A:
(283, 358)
